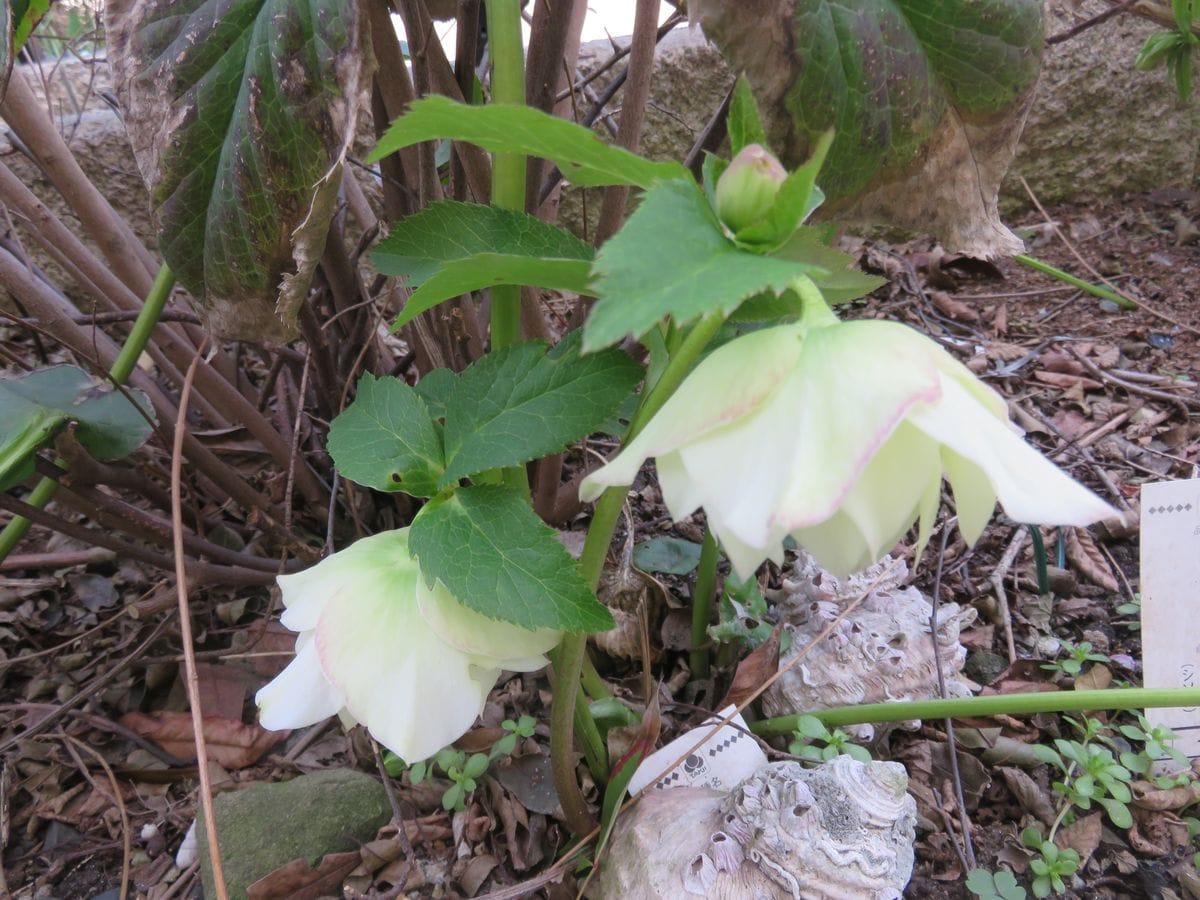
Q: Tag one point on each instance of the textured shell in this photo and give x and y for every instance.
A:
(882, 651)
(844, 830)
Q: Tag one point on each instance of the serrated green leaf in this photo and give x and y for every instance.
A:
(387, 440)
(583, 158)
(745, 123)
(485, 270)
(522, 403)
(672, 259)
(239, 115)
(487, 545)
(421, 244)
(33, 406)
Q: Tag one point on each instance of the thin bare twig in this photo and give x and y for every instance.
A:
(126, 837)
(185, 633)
(997, 581)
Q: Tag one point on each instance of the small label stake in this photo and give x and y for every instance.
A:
(1170, 542)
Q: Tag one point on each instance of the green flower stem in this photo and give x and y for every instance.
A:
(1094, 289)
(593, 685)
(122, 368)
(568, 659)
(508, 169)
(990, 705)
(702, 597)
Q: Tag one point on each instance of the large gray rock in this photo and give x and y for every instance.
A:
(265, 826)
(1097, 129)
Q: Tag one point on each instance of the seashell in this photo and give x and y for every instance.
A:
(882, 651)
(842, 831)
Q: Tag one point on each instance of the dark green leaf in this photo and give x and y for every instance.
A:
(745, 123)
(421, 244)
(239, 115)
(521, 403)
(583, 158)
(387, 440)
(672, 259)
(884, 73)
(487, 545)
(485, 270)
(671, 555)
(34, 406)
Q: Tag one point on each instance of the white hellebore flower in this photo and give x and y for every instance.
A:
(838, 434)
(376, 643)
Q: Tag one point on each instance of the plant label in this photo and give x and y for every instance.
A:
(1170, 570)
(717, 758)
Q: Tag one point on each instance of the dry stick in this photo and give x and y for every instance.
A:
(997, 581)
(717, 726)
(121, 247)
(397, 816)
(126, 837)
(1141, 304)
(1182, 404)
(968, 849)
(633, 110)
(202, 573)
(1090, 23)
(185, 632)
(65, 559)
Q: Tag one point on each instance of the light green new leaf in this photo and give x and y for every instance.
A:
(745, 122)
(583, 158)
(672, 259)
(421, 244)
(521, 403)
(487, 545)
(387, 440)
(34, 406)
(239, 115)
(485, 270)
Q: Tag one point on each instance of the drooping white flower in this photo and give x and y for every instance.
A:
(376, 643)
(839, 434)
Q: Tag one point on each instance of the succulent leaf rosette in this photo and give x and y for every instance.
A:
(839, 434)
(376, 643)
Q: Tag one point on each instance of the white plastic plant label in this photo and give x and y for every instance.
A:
(1170, 568)
(722, 762)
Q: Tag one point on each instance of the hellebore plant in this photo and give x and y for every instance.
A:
(839, 434)
(380, 646)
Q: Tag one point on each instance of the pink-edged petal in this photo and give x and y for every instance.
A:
(1031, 489)
(411, 690)
(501, 645)
(887, 497)
(300, 695)
(726, 386)
(854, 385)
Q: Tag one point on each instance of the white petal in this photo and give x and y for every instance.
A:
(1031, 489)
(493, 643)
(300, 695)
(306, 593)
(682, 494)
(412, 691)
(836, 544)
(746, 558)
(855, 383)
(727, 385)
(974, 498)
(886, 499)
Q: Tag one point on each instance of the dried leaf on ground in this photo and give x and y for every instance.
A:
(1082, 836)
(753, 671)
(297, 880)
(1030, 795)
(1087, 558)
(228, 741)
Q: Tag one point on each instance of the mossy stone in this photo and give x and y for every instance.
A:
(264, 826)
